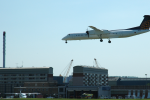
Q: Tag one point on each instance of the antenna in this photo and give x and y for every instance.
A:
(4, 47)
(22, 63)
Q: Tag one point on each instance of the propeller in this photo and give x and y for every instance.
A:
(87, 32)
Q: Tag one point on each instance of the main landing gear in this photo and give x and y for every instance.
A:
(66, 42)
(101, 40)
(109, 41)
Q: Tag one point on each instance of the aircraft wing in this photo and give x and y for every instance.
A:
(96, 29)
(22, 93)
(12, 93)
(32, 93)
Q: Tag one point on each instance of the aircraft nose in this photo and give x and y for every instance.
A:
(63, 38)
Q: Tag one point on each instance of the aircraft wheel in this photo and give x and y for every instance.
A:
(101, 40)
(66, 42)
(109, 41)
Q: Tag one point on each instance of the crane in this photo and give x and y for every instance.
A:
(97, 64)
(67, 71)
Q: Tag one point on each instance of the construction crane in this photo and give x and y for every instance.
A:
(67, 71)
(97, 64)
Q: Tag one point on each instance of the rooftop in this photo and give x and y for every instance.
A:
(85, 66)
(24, 68)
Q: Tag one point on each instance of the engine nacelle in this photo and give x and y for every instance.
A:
(98, 32)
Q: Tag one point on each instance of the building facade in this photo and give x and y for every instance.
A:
(44, 88)
(15, 77)
(88, 79)
(139, 87)
(89, 76)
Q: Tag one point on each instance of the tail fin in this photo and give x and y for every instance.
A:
(145, 23)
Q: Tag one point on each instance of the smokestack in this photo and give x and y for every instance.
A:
(4, 39)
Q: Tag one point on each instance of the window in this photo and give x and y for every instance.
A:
(31, 74)
(5, 78)
(60, 89)
(42, 78)
(13, 78)
(13, 75)
(31, 78)
(42, 74)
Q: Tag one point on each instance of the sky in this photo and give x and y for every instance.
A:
(35, 28)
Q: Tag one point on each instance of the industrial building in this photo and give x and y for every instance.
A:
(16, 77)
(87, 79)
(41, 80)
(140, 87)
(45, 88)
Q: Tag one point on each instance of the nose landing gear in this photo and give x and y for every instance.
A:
(66, 41)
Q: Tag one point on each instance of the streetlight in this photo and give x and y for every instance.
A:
(146, 78)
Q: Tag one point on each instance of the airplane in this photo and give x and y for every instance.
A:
(108, 34)
(22, 95)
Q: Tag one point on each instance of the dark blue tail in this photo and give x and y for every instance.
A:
(144, 25)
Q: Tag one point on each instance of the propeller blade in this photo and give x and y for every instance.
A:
(87, 32)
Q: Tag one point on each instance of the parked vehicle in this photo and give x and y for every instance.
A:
(86, 96)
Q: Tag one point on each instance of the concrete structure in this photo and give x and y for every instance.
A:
(87, 79)
(40, 80)
(59, 80)
(89, 76)
(45, 88)
(139, 87)
(15, 77)
(97, 91)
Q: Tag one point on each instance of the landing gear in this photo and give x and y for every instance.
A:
(101, 40)
(109, 41)
(66, 41)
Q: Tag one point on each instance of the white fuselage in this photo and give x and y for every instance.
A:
(106, 34)
(22, 95)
